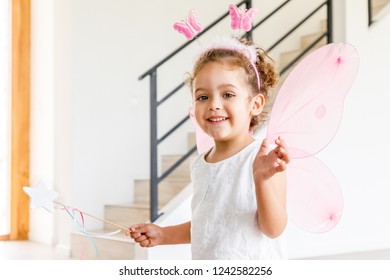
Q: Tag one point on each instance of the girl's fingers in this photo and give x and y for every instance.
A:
(284, 155)
(264, 147)
(282, 149)
(141, 238)
(135, 235)
(280, 142)
(281, 166)
(138, 230)
(144, 243)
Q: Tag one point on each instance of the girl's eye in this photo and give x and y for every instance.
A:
(228, 95)
(202, 98)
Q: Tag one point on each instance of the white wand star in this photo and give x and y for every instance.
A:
(40, 196)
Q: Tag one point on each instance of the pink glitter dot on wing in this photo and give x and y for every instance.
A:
(320, 111)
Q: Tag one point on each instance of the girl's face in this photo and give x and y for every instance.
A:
(223, 102)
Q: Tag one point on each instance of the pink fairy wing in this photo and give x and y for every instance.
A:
(314, 198)
(203, 141)
(184, 29)
(193, 21)
(235, 15)
(307, 111)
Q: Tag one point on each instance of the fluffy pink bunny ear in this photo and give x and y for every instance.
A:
(308, 109)
(203, 141)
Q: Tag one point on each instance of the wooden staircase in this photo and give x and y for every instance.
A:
(306, 41)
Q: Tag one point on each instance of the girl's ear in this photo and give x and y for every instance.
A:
(258, 102)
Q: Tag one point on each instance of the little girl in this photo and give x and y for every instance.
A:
(239, 185)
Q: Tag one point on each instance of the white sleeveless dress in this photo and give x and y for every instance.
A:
(224, 211)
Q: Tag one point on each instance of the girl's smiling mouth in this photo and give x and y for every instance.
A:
(217, 119)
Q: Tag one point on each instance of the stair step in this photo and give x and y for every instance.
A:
(111, 247)
(323, 25)
(307, 40)
(182, 172)
(167, 189)
(126, 215)
(376, 9)
(379, 4)
(287, 57)
(283, 78)
(191, 140)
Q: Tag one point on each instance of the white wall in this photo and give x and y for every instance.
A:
(42, 113)
(90, 141)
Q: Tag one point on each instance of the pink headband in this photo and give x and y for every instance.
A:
(241, 19)
(233, 44)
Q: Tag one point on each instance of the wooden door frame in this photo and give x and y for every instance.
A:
(20, 119)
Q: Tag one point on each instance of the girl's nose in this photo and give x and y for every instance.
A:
(215, 104)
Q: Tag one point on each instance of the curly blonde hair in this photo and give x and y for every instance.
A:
(264, 65)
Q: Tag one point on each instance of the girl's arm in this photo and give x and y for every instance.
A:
(149, 235)
(271, 205)
(270, 184)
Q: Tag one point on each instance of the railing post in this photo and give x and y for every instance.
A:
(370, 21)
(330, 21)
(153, 148)
(248, 5)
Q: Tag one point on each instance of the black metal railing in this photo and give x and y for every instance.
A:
(370, 15)
(155, 178)
(328, 34)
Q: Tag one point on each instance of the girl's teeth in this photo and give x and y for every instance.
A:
(218, 120)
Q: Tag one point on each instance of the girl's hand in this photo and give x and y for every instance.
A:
(147, 235)
(267, 164)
